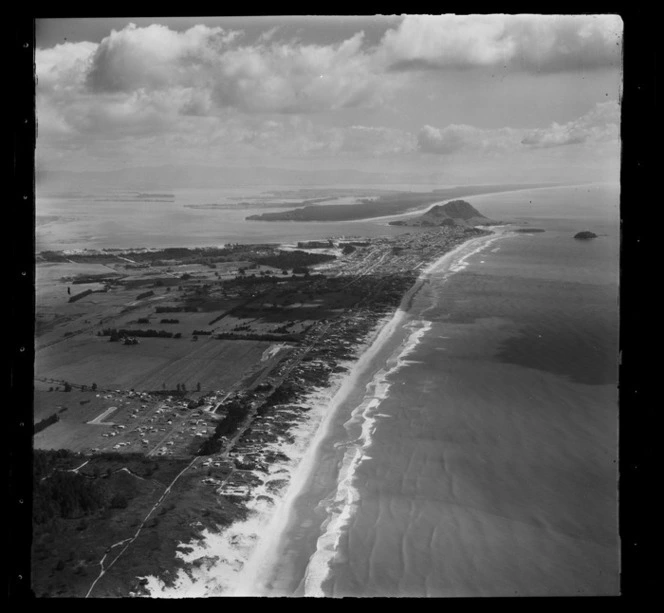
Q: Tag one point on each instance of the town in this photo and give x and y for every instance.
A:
(167, 388)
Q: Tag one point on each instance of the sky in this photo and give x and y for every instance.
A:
(461, 98)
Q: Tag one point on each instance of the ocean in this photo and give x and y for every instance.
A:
(473, 449)
(476, 454)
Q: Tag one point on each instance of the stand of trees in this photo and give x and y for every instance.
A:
(291, 259)
(295, 338)
(227, 426)
(76, 297)
(63, 494)
(117, 334)
(45, 423)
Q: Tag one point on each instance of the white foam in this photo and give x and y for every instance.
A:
(225, 553)
(235, 557)
(342, 507)
(264, 558)
(238, 560)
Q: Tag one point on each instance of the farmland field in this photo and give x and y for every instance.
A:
(154, 364)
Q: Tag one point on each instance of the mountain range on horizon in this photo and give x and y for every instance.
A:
(176, 176)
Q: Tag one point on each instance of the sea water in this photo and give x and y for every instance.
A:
(477, 455)
(477, 452)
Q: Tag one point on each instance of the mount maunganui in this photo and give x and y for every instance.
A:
(453, 213)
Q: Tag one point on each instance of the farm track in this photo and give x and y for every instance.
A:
(131, 539)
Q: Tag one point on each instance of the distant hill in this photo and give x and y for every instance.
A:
(191, 176)
(389, 204)
(454, 213)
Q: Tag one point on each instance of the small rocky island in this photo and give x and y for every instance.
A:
(585, 235)
(453, 213)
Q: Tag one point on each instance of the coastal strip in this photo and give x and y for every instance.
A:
(255, 577)
(299, 346)
(366, 415)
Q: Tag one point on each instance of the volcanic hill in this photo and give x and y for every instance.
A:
(453, 213)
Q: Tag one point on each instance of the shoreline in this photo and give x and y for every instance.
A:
(365, 413)
(412, 211)
(425, 209)
(236, 560)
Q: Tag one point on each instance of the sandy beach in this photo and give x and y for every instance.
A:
(240, 560)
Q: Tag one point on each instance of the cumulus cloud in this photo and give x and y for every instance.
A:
(267, 76)
(598, 125)
(204, 70)
(457, 138)
(63, 67)
(546, 43)
(284, 77)
(209, 87)
(155, 57)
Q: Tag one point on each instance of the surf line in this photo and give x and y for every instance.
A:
(343, 503)
(260, 568)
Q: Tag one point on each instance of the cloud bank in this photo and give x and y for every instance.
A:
(600, 124)
(208, 69)
(212, 91)
(533, 43)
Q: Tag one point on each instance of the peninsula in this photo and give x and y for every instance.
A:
(393, 203)
(169, 383)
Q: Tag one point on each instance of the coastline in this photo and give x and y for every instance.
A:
(366, 414)
(235, 561)
(426, 208)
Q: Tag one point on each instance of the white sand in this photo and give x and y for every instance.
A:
(237, 560)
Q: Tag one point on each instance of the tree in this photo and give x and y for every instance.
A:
(67, 387)
(183, 387)
(177, 387)
(198, 386)
(119, 501)
(94, 387)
